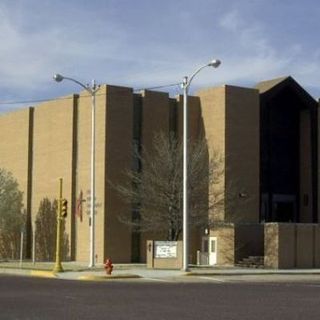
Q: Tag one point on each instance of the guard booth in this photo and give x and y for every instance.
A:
(208, 254)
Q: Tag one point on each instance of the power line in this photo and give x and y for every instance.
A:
(158, 87)
(71, 97)
(32, 101)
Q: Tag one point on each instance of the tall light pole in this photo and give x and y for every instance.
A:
(185, 86)
(92, 90)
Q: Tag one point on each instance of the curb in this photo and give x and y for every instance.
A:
(109, 277)
(42, 274)
(249, 273)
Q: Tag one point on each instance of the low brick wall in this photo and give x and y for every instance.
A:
(163, 263)
(289, 245)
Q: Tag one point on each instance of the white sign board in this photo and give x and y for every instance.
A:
(165, 249)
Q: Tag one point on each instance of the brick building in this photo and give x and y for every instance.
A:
(268, 136)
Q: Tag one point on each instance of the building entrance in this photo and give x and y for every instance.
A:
(212, 251)
(284, 208)
(288, 147)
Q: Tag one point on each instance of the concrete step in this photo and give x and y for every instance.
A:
(251, 262)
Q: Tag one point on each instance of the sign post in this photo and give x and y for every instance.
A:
(58, 265)
(21, 247)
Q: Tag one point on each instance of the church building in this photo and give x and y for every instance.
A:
(269, 139)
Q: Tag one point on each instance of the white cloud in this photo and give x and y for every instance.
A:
(137, 44)
(255, 56)
(28, 58)
(230, 21)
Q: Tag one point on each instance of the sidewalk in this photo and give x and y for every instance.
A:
(80, 271)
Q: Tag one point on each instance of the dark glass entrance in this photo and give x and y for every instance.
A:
(285, 149)
(284, 212)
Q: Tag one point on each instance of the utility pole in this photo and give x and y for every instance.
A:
(92, 90)
(185, 206)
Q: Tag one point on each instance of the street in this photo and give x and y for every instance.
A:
(204, 298)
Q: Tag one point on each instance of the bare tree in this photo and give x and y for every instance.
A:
(46, 231)
(155, 191)
(12, 217)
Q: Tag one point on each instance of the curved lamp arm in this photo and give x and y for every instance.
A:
(187, 80)
(92, 90)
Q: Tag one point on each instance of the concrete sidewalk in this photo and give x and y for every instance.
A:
(80, 271)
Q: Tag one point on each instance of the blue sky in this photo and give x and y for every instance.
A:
(142, 44)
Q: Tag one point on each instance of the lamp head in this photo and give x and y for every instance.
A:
(58, 77)
(214, 63)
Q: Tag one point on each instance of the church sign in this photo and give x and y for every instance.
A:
(165, 249)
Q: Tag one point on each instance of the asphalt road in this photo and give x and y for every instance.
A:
(42, 299)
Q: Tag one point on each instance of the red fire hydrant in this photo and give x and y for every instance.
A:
(108, 266)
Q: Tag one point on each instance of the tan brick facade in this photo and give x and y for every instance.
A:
(15, 146)
(52, 140)
(53, 156)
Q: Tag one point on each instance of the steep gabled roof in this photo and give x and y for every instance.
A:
(264, 86)
(271, 88)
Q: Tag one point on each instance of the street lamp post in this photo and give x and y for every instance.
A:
(185, 86)
(92, 91)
